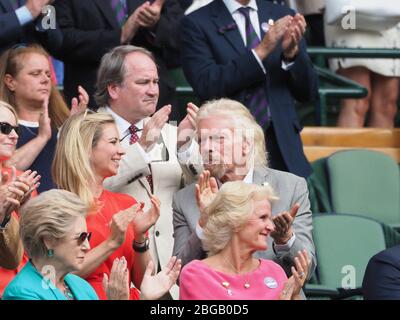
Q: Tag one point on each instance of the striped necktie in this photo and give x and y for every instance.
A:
(258, 102)
(120, 10)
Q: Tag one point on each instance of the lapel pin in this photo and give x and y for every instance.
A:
(266, 25)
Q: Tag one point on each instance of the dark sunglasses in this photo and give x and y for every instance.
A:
(83, 236)
(6, 128)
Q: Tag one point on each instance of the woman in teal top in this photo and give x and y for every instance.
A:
(53, 231)
(29, 284)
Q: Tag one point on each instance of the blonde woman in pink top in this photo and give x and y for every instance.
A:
(239, 222)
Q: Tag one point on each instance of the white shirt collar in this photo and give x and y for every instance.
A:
(28, 123)
(122, 124)
(233, 5)
(249, 176)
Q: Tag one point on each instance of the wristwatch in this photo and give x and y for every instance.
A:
(141, 246)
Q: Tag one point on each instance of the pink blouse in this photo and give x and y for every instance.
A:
(200, 282)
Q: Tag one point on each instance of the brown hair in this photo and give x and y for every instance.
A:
(11, 62)
(112, 70)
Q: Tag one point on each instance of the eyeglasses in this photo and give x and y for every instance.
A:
(6, 128)
(83, 236)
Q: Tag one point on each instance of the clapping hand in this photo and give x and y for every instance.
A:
(79, 104)
(152, 128)
(35, 6)
(119, 225)
(150, 14)
(187, 126)
(206, 191)
(273, 37)
(144, 220)
(45, 122)
(292, 288)
(15, 191)
(283, 225)
(154, 287)
(292, 37)
(117, 286)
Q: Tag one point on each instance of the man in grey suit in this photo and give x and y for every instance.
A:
(232, 148)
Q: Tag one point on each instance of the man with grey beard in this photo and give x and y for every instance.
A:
(232, 148)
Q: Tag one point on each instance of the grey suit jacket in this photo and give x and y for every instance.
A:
(288, 187)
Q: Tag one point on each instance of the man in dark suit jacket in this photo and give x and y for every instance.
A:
(382, 276)
(217, 64)
(20, 22)
(91, 29)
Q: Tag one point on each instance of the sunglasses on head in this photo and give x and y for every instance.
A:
(6, 128)
(83, 236)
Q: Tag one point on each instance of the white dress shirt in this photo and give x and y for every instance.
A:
(233, 6)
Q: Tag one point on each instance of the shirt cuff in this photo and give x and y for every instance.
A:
(24, 15)
(259, 61)
(184, 156)
(287, 65)
(199, 231)
(282, 248)
(143, 153)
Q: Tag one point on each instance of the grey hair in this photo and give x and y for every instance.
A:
(112, 70)
(242, 120)
(51, 214)
(230, 210)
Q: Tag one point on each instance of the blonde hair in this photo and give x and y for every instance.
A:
(242, 120)
(51, 214)
(11, 62)
(71, 168)
(229, 211)
(6, 105)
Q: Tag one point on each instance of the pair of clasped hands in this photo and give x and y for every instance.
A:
(289, 30)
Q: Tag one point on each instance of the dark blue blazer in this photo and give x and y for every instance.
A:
(217, 64)
(11, 32)
(382, 276)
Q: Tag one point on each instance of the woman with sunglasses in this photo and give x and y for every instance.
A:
(15, 188)
(88, 151)
(26, 85)
(53, 231)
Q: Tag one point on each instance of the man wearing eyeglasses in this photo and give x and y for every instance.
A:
(21, 22)
(128, 88)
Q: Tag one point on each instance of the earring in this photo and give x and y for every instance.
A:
(50, 253)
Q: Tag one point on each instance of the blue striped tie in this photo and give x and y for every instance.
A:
(119, 7)
(258, 103)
